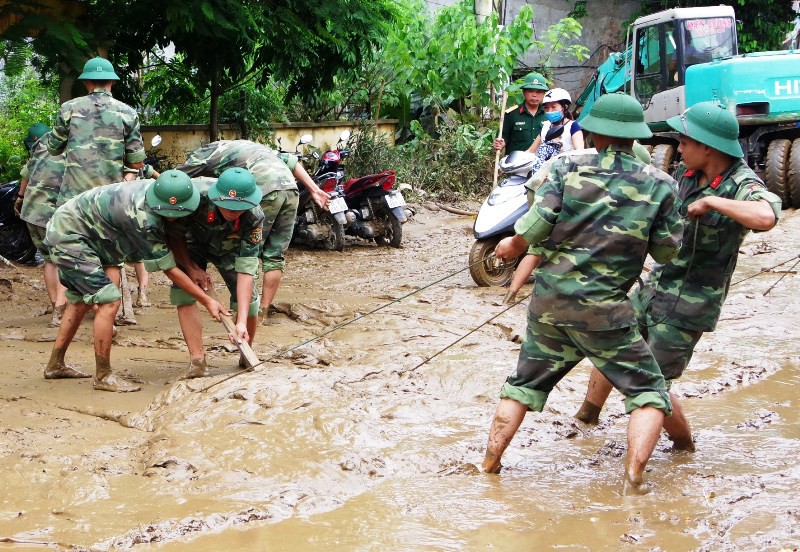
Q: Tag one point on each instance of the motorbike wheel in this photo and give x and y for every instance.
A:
(393, 231)
(483, 270)
(335, 240)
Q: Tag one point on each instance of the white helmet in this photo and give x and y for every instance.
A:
(557, 95)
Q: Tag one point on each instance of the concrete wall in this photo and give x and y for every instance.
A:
(178, 140)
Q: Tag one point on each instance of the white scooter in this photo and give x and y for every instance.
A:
(496, 218)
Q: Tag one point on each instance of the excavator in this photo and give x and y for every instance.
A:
(682, 56)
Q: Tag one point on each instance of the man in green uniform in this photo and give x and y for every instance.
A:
(226, 231)
(596, 217)
(275, 175)
(40, 182)
(90, 235)
(683, 298)
(523, 123)
(99, 136)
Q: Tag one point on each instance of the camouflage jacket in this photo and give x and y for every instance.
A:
(43, 173)
(597, 216)
(97, 135)
(115, 222)
(271, 170)
(712, 254)
(219, 237)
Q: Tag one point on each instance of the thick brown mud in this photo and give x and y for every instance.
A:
(353, 442)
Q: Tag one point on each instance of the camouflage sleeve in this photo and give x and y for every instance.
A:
(250, 244)
(155, 253)
(289, 159)
(134, 146)
(755, 190)
(177, 227)
(25, 171)
(666, 232)
(59, 135)
(537, 224)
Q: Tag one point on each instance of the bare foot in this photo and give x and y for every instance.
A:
(58, 312)
(197, 369)
(63, 371)
(491, 463)
(634, 486)
(588, 413)
(141, 299)
(110, 382)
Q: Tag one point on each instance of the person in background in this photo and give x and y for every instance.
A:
(523, 123)
(40, 182)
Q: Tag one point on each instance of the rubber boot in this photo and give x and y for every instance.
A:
(141, 298)
(105, 380)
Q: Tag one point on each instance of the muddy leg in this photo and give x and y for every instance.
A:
(644, 428)
(104, 379)
(596, 394)
(192, 328)
(677, 427)
(507, 419)
(269, 288)
(70, 322)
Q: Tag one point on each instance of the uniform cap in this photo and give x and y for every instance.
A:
(173, 195)
(534, 81)
(711, 124)
(34, 133)
(235, 189)
(617, 115)
(98, 69)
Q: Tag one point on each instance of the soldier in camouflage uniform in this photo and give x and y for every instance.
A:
(225, 230)
(275, 175)
(683, 298)
(90, 235)
(40, 182)
(100, 138)
(596, 218)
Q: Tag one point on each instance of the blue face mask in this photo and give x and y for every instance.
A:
(554, 116)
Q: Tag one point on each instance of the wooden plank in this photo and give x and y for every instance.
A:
(250, 357)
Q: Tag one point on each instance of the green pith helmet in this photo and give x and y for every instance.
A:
(173, 195)
(534, 81)
(34, 133)
(712, 125)
(236, 190)
(98, 69)
(617, 115)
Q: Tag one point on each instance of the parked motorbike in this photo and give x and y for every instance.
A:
(314, 225)
(496, 218)
(375, 209)
(15, 241)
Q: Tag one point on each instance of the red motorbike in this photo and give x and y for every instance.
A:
(375, 209)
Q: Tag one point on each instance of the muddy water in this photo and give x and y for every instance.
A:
(350, 443)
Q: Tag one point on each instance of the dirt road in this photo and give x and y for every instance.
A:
(350, 442)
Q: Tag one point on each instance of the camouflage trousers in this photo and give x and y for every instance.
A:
(226, 265)
(82, 273)
(550, 352)
(37, 234)
(672, 347)
(280, 210)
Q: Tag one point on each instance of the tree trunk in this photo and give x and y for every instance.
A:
(213, 127)
(67, 82)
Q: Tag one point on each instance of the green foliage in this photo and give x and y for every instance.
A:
(454, 166)
(761, 24)
(24, 101)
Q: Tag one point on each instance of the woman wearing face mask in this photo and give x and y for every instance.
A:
(556, 108)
